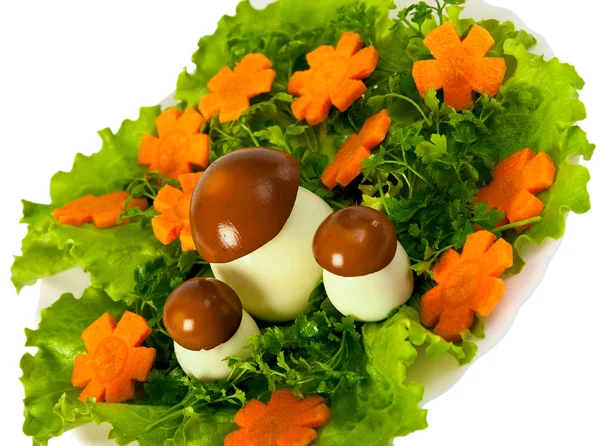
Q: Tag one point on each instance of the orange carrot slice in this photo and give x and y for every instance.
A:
(516, 180)
(231, 90)
(114, 360)
(467, 283)
(174, 208)
(334, 78)
(286, 421)
(459, 67)
(102, 211)
(347, 165)
(179, 145)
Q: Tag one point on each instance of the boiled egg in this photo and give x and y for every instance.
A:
(366, 270)
(205, 319)
(255, 225)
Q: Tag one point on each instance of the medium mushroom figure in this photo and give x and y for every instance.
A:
(367, 271)
(254, 223)
(205, 319)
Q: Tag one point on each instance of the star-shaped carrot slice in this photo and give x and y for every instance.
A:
(459, 67)
(467, 283)
(516, 180)
(334, 78)
(179, 146)
(287, 420)
(114, 360)
(231, 90)
(174, 207)
(347, 162)
(102, 211)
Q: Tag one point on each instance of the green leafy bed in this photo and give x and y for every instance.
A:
(424, 176)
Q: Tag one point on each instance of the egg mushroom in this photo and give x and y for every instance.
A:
(367, 271)
(254, 223)
(205, 319)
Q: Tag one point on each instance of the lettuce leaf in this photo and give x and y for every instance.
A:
(41, 256)
(382, 406)
(109, 255)
(112, 168)
(47, 374)
(543, 106)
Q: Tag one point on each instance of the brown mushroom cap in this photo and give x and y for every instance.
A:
(202, 313)
(355, 241)
(242, 202)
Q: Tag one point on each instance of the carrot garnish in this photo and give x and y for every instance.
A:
(179, 145)
(467, 283)
(174, 208)
(287, 420)
(516, 180)
(114, 358)
(459, 67)
(334, 78)
(347, 162)
(231, 90)
(102, 211)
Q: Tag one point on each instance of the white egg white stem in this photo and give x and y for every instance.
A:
(370, 298)
(275, 281)
(210, 365)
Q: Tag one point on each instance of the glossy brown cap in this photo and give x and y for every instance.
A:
(355, 241)
(242, 202)
(202, 313)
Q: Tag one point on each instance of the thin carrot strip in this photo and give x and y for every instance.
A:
(347, 164)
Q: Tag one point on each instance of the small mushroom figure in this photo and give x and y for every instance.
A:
(367, 271)
(255, 225)
(205, 318)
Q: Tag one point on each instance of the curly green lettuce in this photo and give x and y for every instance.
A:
(109, 255)
(543, 106)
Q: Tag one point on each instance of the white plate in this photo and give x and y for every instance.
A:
(438, 376)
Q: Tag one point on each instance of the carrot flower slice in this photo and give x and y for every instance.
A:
(467, 283)
(102, 211)
(286, 421)
(334, 78)
(174, 207)
(347, 162)
(114, 360)
(516, 180)
(179, 145)
(231, 90)
(459, 67)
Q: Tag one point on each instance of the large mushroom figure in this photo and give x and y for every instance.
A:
(254, 223)
(205, 319)
(367, 271)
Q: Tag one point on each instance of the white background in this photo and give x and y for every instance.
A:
(68, 69)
